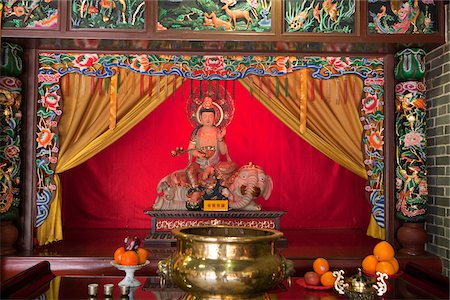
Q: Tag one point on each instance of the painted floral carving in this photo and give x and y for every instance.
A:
(51, 100)
(339, 63)
(85, 60)
(10, 161)
(411, 173)
(53, 66)
(372, 119)
(370, 104)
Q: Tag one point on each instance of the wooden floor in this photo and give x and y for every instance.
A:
(89, 252)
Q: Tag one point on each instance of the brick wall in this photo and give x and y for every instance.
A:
(438, 160)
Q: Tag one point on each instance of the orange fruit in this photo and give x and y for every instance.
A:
(385, 267)
(395, 264)
(327, 279)
(130, 258)
(142, 255)
(118, 254)
(321, 265)
(369, 264)
(383, 251)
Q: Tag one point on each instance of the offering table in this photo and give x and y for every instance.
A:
(164, 221)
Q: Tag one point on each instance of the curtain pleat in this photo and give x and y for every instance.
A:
(325, 113)
(84, 128)
(332, 125)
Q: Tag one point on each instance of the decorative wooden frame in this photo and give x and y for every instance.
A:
(222, 30)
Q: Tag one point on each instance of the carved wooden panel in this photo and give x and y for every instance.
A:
(320, 16)
(30, 14)
(214, 15)
(107, 14)
(402, 17)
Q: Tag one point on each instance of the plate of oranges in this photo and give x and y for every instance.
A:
(320, 278)
(382, 260)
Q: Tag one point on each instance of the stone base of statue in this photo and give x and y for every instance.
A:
(164, 221)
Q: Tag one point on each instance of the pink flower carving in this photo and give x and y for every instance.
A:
(214, 63)
(412, 139)
(337, 63)
(51, 100)
(84, 61)
(370, 104)
(11, 151)
(141, 63)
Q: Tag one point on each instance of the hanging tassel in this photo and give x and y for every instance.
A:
(67, 81)
(200, 87)
(357, 101)
(107, 82)
(192, 87)
(92, 86)
(328, 90)
(183, 87)
(83, 88)
(234, 89)
(118, 81)
(260, 86)
(113, 100)
(217, 89)
(269, 88)
(311, 82)
(209, 88)
(277, 90)
(100, 90)
(166, 84)
(225, 83)
(321, 90)
(303, 100)
(158, 85)
(345, 91)
(286, 86)
(174, 87)
(338, 99)
(150, 86)
(141, 85)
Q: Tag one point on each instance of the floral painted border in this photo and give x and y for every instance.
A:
(52, 66)
(372, 118)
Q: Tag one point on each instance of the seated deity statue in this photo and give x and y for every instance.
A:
(210, 172)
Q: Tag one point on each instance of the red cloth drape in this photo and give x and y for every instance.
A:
(112, 189)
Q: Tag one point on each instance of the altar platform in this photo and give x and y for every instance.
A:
(88, 252)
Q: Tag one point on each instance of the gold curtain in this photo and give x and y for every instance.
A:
(96, 113)
(329, 121)
(325, 113)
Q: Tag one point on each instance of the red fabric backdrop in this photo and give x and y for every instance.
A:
(112, 189)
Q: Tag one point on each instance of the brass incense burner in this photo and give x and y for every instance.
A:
(228, 261)
(360, 286)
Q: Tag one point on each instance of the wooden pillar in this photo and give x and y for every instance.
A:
(411, 173)
(10, 149)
